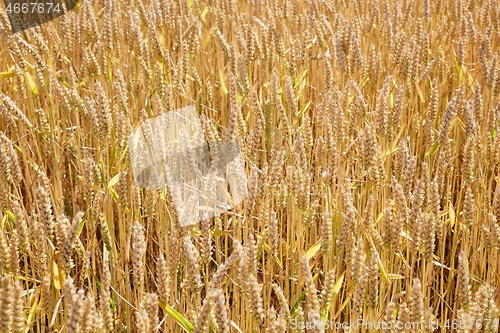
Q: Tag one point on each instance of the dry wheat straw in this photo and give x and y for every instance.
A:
(326, 101)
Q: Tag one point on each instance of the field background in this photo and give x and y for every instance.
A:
(369, 133)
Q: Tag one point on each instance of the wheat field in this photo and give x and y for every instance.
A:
(368, 131)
